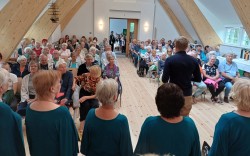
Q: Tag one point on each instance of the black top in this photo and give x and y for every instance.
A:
(210, 70)
(83, 68)
(67, 82)
(181, 69)
(16, 70)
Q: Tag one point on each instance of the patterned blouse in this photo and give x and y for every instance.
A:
(111, 72)
(210, 70)
(87, 82)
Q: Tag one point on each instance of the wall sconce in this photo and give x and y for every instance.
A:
(100, 24)
(146, 27)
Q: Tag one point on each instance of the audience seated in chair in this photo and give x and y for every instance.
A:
(9, 96)
(212, 79)
(113, 138)
(37, 49)
(32, 57)
(66, 85)
(56, 56)
(153, 63)
(134, 49)
(80, 54)
(162, 63)
(96, 57)
(46, 52)
(201, 54)
(28, 92)
(73, 62)
(20, 69)
(84, 68)
(111, 70)
(163, 134)
(229, 73)
(45, 64)
(231, 135)
(64, 52)
(87, 95)
(201, 86)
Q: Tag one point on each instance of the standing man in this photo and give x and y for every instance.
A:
(181, 69)
(112, 40)
(229, 72)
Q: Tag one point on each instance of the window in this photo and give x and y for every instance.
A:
(245, 40)
(236, 36)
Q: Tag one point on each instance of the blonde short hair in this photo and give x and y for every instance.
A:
(49, 79)
(241, 94)
(106, 90)
(95, 71)
(88, 56)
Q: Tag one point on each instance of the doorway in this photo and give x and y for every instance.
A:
(123, 27)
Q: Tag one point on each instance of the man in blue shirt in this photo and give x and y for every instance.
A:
(229, 72)
(181, 69)
(135, 51)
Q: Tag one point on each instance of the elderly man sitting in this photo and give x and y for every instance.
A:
(229, 73)
(44, 63)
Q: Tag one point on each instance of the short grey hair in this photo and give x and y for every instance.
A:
(4, 76)
(227, 54)
(58, 63)
(106, 90)
(212, 56)
(92, 49)
(20, 58)
(27, 48)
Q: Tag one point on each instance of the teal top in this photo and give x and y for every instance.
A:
(143, 51)
(51, 133)
(11, 135)
(173, 139)
(231, 136)
(106, 137)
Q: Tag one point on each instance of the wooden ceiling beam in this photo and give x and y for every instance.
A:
(179, 27)
(43, 27)
(202, 27)
(71, 14)
(16, 18)
(242, 9)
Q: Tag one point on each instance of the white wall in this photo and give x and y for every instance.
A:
(179, 13)
(117, 25)
(56, 35)
(163, 24)
(132, 9)
(82, 23)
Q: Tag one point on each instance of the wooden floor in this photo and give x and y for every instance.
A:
(138, 103)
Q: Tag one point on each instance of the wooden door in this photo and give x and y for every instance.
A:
(132, 32)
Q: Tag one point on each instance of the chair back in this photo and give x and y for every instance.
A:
(74, 71)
